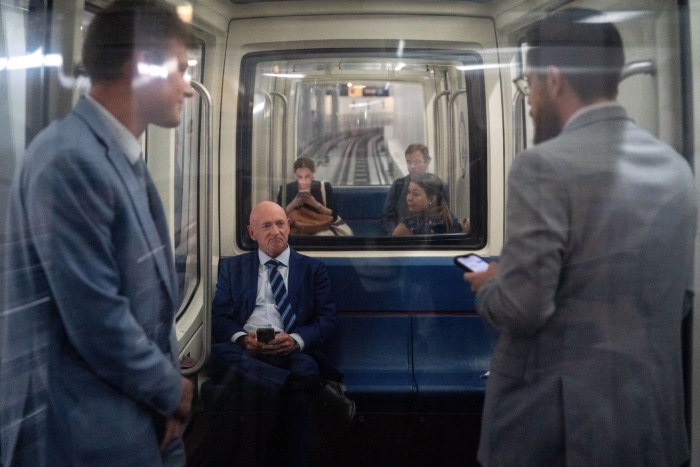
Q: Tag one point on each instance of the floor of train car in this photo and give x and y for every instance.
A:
(372, 440)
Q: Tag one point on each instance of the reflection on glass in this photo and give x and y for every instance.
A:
(186, 185)
(354, 117)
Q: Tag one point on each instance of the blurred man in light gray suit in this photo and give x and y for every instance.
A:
(89, 368)
(595, 272)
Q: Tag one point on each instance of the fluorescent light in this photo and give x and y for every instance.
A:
(284, 75)
(34, 60)
(614, 17)
(184, 11)
(481, 67)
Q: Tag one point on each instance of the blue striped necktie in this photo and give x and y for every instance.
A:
(279, 291)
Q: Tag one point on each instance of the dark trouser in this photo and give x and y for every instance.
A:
(279, 420)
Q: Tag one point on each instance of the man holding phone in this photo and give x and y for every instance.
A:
(595, 271)
(272, 310)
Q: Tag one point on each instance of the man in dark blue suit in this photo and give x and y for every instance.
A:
(275, 287)
(89, 364)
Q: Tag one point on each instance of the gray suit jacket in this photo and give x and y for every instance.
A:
(88, 361)
(589, 301)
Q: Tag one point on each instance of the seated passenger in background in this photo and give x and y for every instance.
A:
(395, 207)
(307, 191)
(289, 295)
(311, 204)
(429, 212)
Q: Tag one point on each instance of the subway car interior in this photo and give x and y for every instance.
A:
(351, 84)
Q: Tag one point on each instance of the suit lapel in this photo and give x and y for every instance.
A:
(250, 282)
(164, 260)
(153, 225)
(295, 279)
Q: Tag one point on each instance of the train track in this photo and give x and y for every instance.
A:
(358, 158)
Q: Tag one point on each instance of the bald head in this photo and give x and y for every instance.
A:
(269, 226)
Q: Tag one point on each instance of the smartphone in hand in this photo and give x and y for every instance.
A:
(471, 263)
(265, 335)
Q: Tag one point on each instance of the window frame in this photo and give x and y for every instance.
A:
(478, 152)
(190, 284)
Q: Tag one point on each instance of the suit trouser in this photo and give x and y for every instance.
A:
(259, 388)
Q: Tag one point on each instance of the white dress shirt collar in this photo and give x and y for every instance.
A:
(129, 145)
(282, 258)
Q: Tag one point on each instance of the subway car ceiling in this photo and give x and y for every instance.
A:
(247, 2)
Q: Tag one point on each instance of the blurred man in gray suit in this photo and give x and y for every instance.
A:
(89, 365)
(595, 273)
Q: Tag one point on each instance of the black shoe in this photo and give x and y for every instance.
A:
(336, 404)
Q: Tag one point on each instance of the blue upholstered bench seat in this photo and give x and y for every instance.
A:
(408, 332)
(373, 353)
(451, 353)
(361, 208)
(422, 353)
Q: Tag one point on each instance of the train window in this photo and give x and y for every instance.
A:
(185, 175)
(22, 62)
(354, 114)
(523, 126)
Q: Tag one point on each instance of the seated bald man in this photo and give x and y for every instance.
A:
(272, 310)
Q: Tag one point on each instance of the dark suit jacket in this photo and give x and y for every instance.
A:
(309, 292)
(89, 355)
(395, 207)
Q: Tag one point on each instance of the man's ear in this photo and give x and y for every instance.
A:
(555, 81)
(251, 233)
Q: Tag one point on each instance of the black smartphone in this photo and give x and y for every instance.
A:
(265, 335)
(471, 263)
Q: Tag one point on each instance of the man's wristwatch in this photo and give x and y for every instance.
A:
(297, 347)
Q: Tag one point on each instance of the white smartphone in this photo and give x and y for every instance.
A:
(471, 263)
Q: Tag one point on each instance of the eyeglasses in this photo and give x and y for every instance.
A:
(522, 85)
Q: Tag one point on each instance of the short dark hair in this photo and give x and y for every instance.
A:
(418, 147)
(587, 49)
(126, 26)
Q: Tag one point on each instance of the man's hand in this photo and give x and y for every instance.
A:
(185, 406)
(174, 425)
(252, 344)
(478, 279)
(282, 344)
(173, 430)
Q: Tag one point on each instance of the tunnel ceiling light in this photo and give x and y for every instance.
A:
(614, 16)
(284, 75)
(481, 66)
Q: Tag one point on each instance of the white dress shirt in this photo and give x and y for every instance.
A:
(126, 141)
(265, 314)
